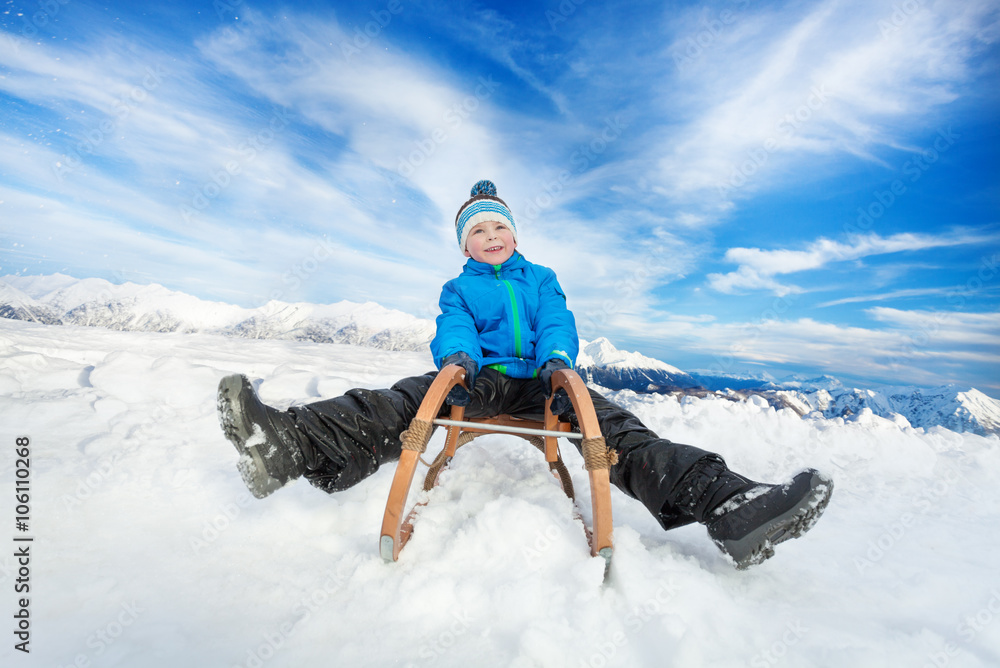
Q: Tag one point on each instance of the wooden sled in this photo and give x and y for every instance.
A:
(597, 458)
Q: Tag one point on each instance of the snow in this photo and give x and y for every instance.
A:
(149, 551)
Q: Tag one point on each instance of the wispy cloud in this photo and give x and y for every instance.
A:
(758, 267)
(777, 88)
(888, 296)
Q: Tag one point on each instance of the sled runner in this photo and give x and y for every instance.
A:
(597, 458)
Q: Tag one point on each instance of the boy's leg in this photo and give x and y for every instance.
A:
(335, 443)
(348, 437)
(680, 484)
(656, 471)
(650, 469)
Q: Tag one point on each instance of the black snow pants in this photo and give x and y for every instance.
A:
(350, 436)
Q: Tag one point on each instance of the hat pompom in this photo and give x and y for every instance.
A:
(484, 187)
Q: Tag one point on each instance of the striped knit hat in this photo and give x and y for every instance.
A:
(484, 206)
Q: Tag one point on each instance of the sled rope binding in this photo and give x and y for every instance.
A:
(417, 436)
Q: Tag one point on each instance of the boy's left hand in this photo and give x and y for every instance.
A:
(460, 396)
(560, 402)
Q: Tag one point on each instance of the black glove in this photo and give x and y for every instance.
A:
(560, 403)
(460, 396)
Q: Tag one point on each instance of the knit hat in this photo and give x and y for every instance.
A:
(484, 206)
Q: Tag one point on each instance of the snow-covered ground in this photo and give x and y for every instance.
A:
(148, 550)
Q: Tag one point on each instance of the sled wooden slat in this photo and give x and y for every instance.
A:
(392, 539)
(600, 485)
(396, 530)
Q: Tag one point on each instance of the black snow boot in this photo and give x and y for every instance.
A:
(267, 440)
(748, 524)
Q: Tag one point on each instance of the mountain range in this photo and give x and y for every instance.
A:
(58, 299)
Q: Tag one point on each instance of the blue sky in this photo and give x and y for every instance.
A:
(738, 186)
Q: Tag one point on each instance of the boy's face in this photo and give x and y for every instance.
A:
(490, 243)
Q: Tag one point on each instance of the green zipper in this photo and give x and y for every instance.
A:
(513, 305)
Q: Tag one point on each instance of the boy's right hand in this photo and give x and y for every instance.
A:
(460, 396)
(560, 402)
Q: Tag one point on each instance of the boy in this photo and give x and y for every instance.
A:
(505, 321)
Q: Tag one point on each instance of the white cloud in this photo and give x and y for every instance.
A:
(749, 278)
(757, 266)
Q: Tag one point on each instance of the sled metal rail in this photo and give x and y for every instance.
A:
(397, 527)
(507, 429)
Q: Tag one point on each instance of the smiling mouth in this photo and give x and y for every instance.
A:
(494, 249)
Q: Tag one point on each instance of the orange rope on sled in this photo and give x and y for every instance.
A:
(417, 436)
(597, 455)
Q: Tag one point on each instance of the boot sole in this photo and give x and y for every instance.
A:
(236, 428)
(758, 545)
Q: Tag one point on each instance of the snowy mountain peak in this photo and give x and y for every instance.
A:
(601, 352)
(602, 363)
(824, 382)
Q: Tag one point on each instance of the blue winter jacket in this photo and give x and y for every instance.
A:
(512, 317)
